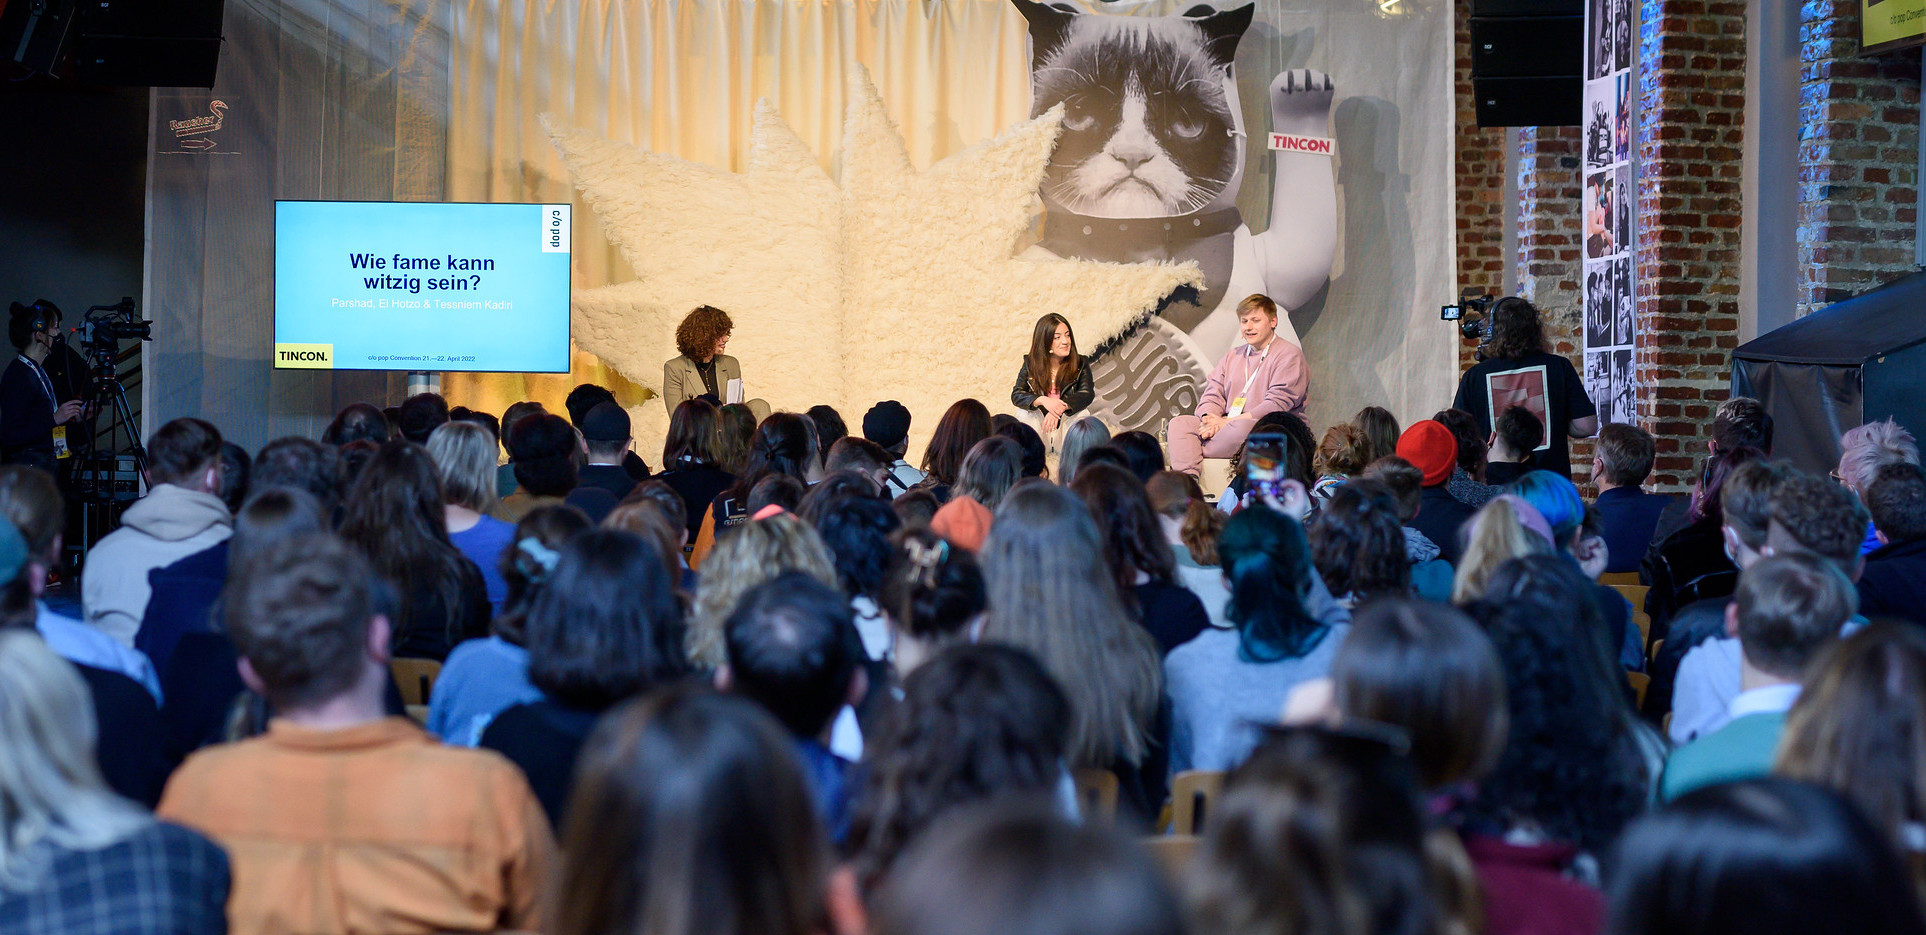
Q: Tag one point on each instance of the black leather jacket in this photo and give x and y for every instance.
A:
(1078, 395)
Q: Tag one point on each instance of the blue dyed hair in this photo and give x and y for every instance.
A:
(1556, 499)
(1268, 561)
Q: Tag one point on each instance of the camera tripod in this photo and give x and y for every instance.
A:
(104, 483)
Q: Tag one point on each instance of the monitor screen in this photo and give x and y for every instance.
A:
(363, 285)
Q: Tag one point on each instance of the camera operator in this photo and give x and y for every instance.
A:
(30, 404)
(1520, 370)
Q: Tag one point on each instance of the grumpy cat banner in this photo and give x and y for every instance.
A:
(1170, 140)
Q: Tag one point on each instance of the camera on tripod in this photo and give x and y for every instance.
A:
(1473, 315)
(103, 328)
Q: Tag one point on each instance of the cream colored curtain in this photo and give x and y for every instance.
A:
(681, 77)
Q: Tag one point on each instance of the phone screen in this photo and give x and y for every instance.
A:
(1264, 462)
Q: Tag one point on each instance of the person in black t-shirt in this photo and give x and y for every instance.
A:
(1520, 371)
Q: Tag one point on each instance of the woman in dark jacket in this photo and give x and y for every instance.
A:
(1054, 384)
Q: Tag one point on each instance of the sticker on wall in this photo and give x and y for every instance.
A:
(198, 133)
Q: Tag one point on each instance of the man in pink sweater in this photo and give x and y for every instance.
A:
(1261, 376)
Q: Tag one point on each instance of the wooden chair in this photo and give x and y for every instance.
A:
(1173, 852)
(1635, 595)
(415, 678)
(1191, 794)
(1096, 794)
(1640, 682)
(1619, 578)
(419, 713)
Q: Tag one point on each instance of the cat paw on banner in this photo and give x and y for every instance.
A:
(882, 283)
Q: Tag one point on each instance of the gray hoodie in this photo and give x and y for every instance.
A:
(167, 525)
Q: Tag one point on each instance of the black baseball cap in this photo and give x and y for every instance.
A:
(605, 422)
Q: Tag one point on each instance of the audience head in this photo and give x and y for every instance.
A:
(270, 516)
(1267, 565)
(543, 449)
(830, 427)
(1143, 452)
(1813, 516)
(606, 433)
(1741, 422)
(395, 517)
(1051, 594)
(865, 457)
(606, 625)
(1516, 331)
(235, 465)
(1099, 454)
(476, 416)
(1344, 452)
(887, 424)
(643, 517)
(1019, 867)
(516, 412)
(356, 422)
(1622, 455)
(355, 456)
(931, 595)
(1380, 430)
(303, 620)
(856, 531)
(1497, 534)
(1867, 448)
(1427, 669)
(964, 522)
(584, 397)
(691, 816)
(703, 333)
(976, 723)
(1788, 608)
(530, 559)
(1034, 455)
(1574, 766)
(464, 455)
(692, 435)
(1431, 448)
(752, 553)
(1185, 516)
(1745, 506)
(829, 494)
(991, 468)
(783, 445)
(1402, 479)
(1555, 499)
(1357, 543)
(792, 647)
(735, 432)
(303, 464)
(1896, 500)
(421, 414)
(1520, 431)
(1297, 456)
(30, 502)
(1708, 493)
(1470, 437)
(1758, 857)
(962, 426)
(1133, 541)
(1084, 434)
(185, 453)
(915, 507)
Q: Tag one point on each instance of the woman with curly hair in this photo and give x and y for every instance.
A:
(702, 368)
(1358, 545)
(1518, 365)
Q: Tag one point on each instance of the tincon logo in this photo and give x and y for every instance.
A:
(1315, 145)
(304, 356)
(197, 133)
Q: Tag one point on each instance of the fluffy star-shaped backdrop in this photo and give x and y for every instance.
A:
(886, 284)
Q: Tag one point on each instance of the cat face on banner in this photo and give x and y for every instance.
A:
(1147, 128)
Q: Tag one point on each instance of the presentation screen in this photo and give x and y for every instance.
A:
(364, 285)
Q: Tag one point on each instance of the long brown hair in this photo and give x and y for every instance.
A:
(692, 435)
(394, 517)
(965, 423)
(1178, 496)
(1038, 360)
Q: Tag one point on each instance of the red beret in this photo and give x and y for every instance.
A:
(1430, 447)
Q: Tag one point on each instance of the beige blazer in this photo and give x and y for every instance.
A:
(681, 381)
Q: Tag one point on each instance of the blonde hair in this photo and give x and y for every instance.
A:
(1257, 300)
(1497, 537)
(1865, 449)
(464, 455)
(749, 555)
(51, 791)
(1051, 593)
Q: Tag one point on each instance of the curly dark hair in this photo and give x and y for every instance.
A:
(1574, 765)
(696, 337)
(976, 722)
(1516, 330)
(1357, 542)
(1471, 440)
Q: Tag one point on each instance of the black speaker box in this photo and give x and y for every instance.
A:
(1527, 7)
(34, 32)
(1540, 101)
(1524, 46)
(173, 19)
(147, 61)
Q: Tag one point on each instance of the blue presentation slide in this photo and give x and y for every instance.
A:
(364, 285)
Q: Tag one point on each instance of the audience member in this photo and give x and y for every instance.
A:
(235, 465)
(605, 627)
(1857, 729)
(397, 520)
(756, 552)
(975, 724)
(1467, 484)
(1431, 575)
(1621, 461)
(1690, 564)
(356, 422)
(486, 420)
(1893, 583)
(1380, 430)
(355, 455)
(1143, 452)
(581, 401)
(1506, 528)
(75, 857)
(1191, 527)
(420, 415)
(1288, 627)
(691, 465)
(1299, 447)
(505, 483)
(484, 677)
(543, 450)
(964, 424)
(856, 530)
(181, 515)
(1515, 439)
(1358, 546)
(782, 447)
(964, 522)
(736, 425)
(1084, 434)
(1140, 561)
(1517, 347)
(778, 490)
(1865, 449)
(792, 648)
(341, 819)
(932, 597)
(1786, 610)
(1430, 447)
(1035, 457)
(1760, 857)
(693, 818)
(1018, 866)
(887, 424)
(989, 470)
(1341, 456)
(302, 464)
(607, 439)
(1557, 500)
(1741, 422)
(830, 427)
(644, 518)
(464, 455)
(865, 457)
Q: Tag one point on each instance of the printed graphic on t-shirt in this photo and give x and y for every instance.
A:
(1522, 387)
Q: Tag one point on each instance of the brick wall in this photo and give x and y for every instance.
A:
(1858, 161)
(1551, 244)
(1482, 212)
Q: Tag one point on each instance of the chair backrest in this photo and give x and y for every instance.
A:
(1192, 792)
(1640, 682)
(415, 678)
(1634, 594)
(1174, 853)
(1096, 794)
(1616, 578)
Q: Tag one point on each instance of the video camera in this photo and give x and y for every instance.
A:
(103, 328)
(1473, 315)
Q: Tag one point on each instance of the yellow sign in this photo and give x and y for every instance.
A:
(304, 356)
(1891, 24)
